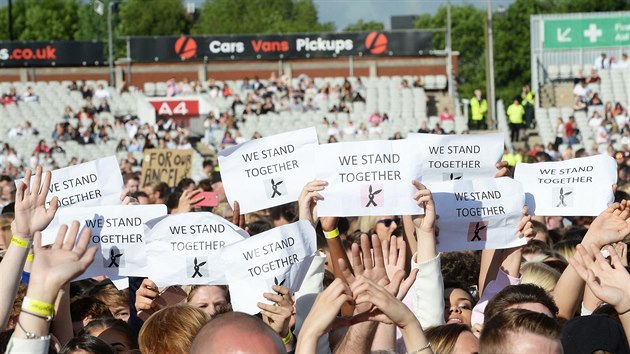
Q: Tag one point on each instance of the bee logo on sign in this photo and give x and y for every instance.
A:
(195, 267)
(478, 231)
(115, 259)
(453, 176)
(371, 195)
(275, 187)
(562, 197)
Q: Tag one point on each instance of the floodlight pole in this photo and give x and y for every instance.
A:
(490, 70)
(110, 5)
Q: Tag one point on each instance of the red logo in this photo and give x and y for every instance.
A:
(376, 43)
(186, 47)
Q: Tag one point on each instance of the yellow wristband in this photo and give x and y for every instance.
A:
(332, 234)
(20, 242)
(286, 340)
(37, 307)
(29, 258)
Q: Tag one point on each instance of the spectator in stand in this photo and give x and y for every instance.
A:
(624, 63)
(349, 129)
(418, 82)
(593, 77)
(103, 106)
(333, 130)
(437, 129)
(56, 149)
(296, 105)
(375, 118)
(618, 109)
(362, 130)
(596, 120)
(375, 129)
(580, 90)
(602, 136)
(622, 118)
(67, 113)
(89, 107)
(172, 88)
(29, 95)
(602, 62)
(42, 147)
(424, 128)
(102, 93)
(227, 139)
(397, 136)
(186, 88)
(268, 106)
(446, 115)
(559, 132)
(571, 131)
(86, 91)
(7, 100)
(227, 91)
(596, 102)
(86, 138)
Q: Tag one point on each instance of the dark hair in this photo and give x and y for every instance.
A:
(184, 183)
(258, 226)
(461, 267)
(286, 211)
(89, 344)
(108, 323)
(88, 307)
(519, 294)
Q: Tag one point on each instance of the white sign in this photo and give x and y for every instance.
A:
(183, 249)
(279, 256)
(575, 187)
(368, 178)
(458, 157)
(98, 182)
(117, 232)
(266, 172)
(478, 214)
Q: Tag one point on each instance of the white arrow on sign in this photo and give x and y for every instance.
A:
(562, 35)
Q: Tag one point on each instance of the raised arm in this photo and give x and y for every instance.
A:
(611, 226)
(31, 215)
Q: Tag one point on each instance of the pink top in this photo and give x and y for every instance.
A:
(492, 289)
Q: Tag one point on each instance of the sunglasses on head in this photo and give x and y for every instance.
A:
(388, 222)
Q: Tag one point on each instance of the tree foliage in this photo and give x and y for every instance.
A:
(259, 16)
(39, 19)
(153, 18)
(364, 26)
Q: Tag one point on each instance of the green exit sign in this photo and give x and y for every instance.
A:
(585, 32)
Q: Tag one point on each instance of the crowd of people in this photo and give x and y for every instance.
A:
(381, 286)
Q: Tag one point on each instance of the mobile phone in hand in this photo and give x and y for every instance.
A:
(170, 296)
(210, 199)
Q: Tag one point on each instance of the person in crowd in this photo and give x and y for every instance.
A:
(515, 114)
(478, 110)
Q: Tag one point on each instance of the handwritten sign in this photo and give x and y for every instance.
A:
(117, 232)
(368, 178)
(98, 182)
(184, 249)
(575, 187)
(263, 173)
(166, 165)
(478, 214)
(279, 256)
(458, 157)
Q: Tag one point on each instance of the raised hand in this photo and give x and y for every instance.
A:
(384, 307)
(125, 199)
(308, 200)
(502, 169)
(609, 282)
(612, 225)
(323, 314)
(31, 214)
(237, 218)
(423, 197)
(187, 200)
(395, 258)
(65, 260)
(278, 315)
(146, 293)
(525, 227)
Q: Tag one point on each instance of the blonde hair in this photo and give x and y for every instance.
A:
(566, 248)
(5, 228)
(171, 330)
(367, 224)
(539, 274)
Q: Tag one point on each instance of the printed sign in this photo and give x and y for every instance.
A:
(575, 187)
(166, 165)
(279, 256)
(117, 232)
(457, 157)
(184, 249)
(368, 178)
(478, 214)
(97, 182)
(263, 173)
